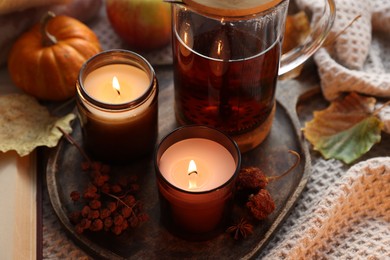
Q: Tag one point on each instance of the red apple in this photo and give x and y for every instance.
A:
(144, 25)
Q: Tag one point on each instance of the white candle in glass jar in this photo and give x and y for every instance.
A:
(118, 106)
(116, 83)
(214, 165)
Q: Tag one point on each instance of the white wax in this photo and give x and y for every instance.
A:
(132, 80)
(133, 83)
(215, 164)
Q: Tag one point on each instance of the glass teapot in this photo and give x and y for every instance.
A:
(227, 59)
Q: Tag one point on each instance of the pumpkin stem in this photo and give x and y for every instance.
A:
(47, 38)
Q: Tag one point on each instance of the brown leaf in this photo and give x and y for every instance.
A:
(25, 124)
(339, 116)
(346, 129)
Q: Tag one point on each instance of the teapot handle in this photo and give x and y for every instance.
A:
(314, 41)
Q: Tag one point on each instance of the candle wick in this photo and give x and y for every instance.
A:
(192, 172)
(117, 90)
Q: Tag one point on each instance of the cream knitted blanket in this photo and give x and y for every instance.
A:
(350, 219)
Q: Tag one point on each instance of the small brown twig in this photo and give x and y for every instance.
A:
(298, 159)
(376, 112)
(73, 142)
(117, 198)
(329, 41)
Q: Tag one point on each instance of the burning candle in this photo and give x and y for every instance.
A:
(117, 104)
(196, 167)
(116, 83)
(197, 164)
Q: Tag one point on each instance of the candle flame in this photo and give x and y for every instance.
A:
(115, 85)
(191, 167)
(192, 173)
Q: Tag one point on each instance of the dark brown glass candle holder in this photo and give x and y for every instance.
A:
(196, 200)
(118, 125)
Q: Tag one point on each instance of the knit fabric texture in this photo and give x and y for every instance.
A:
(351, 219)
(358, 57)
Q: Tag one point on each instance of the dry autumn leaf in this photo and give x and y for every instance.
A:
(346, 129)
(25, 124)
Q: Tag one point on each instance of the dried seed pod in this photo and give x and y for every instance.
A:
(252, 178)
(261, 204)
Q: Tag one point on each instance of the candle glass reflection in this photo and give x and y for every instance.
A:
(117, 95)
(196, 168)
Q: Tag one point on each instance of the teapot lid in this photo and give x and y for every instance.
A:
(231, 8)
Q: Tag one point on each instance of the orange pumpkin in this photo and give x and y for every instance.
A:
(45, 61)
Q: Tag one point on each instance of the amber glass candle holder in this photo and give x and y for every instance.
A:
(196, 197)
(118, 126)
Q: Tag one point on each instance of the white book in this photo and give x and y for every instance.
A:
(18, 206)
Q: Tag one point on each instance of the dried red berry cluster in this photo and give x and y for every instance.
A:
(107, 204)
(252, 180)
